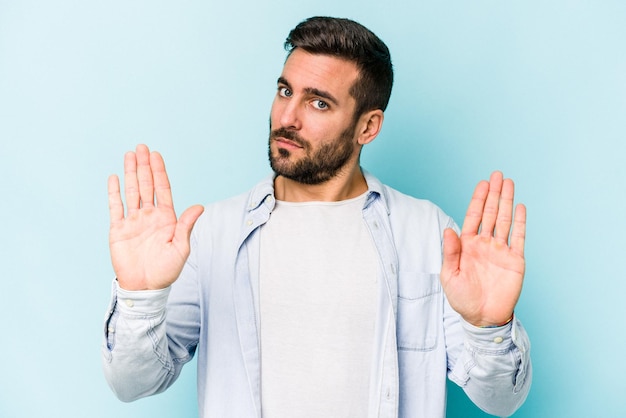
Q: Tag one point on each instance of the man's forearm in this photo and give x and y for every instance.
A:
(135, 353)
(494, 369)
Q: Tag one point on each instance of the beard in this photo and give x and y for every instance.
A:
(317, 166)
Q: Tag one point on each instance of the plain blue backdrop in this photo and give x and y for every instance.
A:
(534, 88)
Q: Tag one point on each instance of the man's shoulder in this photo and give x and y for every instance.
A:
(250, 197)
(400, 203)
(404, 198)
(395, 198)
(404, 209)
(239, 205)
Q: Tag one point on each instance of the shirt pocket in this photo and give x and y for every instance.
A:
(419, 311)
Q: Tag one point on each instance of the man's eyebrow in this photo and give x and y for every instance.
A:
(321, 93)
(311, 91)
(283, 80)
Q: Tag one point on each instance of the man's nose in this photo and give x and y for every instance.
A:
(290, 115)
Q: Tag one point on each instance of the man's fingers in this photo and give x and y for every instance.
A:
(131, 187)
(505, 211)
(185, 224)
(116, 207)
(474, 213)
(490, 211)
(451, 255)
(518, 234)
(162, 188)
(144, 176)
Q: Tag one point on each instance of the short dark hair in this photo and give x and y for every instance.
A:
(349, 40)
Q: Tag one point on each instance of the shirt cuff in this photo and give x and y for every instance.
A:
(143, 302)
(492, 339)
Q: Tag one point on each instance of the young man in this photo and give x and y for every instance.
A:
(321, 292)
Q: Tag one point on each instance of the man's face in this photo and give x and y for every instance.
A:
(312, 126)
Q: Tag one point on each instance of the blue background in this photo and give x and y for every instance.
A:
(535, 88)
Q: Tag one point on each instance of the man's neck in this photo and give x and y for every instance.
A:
(345, 185)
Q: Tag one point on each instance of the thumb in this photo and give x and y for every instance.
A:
(185, 224)
(451, 253)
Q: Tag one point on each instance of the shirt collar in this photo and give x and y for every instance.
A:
(263, 192)
(375, 190)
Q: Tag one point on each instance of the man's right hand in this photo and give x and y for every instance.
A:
(149, 246)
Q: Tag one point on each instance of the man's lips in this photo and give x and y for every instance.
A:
(287, 143)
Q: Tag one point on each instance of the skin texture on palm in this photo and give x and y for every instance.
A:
(483, 269)
(148, 245)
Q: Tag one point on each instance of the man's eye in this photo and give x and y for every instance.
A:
(284, 92)
(320, 104)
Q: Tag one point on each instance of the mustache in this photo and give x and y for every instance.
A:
(288, 134)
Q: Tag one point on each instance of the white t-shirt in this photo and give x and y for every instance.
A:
(317, 302)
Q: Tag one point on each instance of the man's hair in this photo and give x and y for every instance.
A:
(349, 40)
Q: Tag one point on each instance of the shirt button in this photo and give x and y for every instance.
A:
(111, 329)
(129, 303)
(249, 222)
(498, 340)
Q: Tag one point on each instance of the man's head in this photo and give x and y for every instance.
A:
(349, 40)
(330, 99)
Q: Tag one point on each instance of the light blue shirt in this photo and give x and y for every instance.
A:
(212, 311)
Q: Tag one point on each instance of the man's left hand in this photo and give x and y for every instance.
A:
(483, 269)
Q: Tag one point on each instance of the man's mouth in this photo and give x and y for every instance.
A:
(287, 143)
(287, 139)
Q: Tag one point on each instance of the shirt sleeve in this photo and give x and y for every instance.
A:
(134, 350)
(494, 367)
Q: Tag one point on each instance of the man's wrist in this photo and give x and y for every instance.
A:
(500, 324)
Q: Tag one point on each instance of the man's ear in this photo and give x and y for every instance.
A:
(369, 125)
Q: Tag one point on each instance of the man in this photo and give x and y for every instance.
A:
(321, 292)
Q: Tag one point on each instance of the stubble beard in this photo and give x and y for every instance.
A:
(317, 166)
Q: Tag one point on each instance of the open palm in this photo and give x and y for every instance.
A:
(149, 246)
(483, 269)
